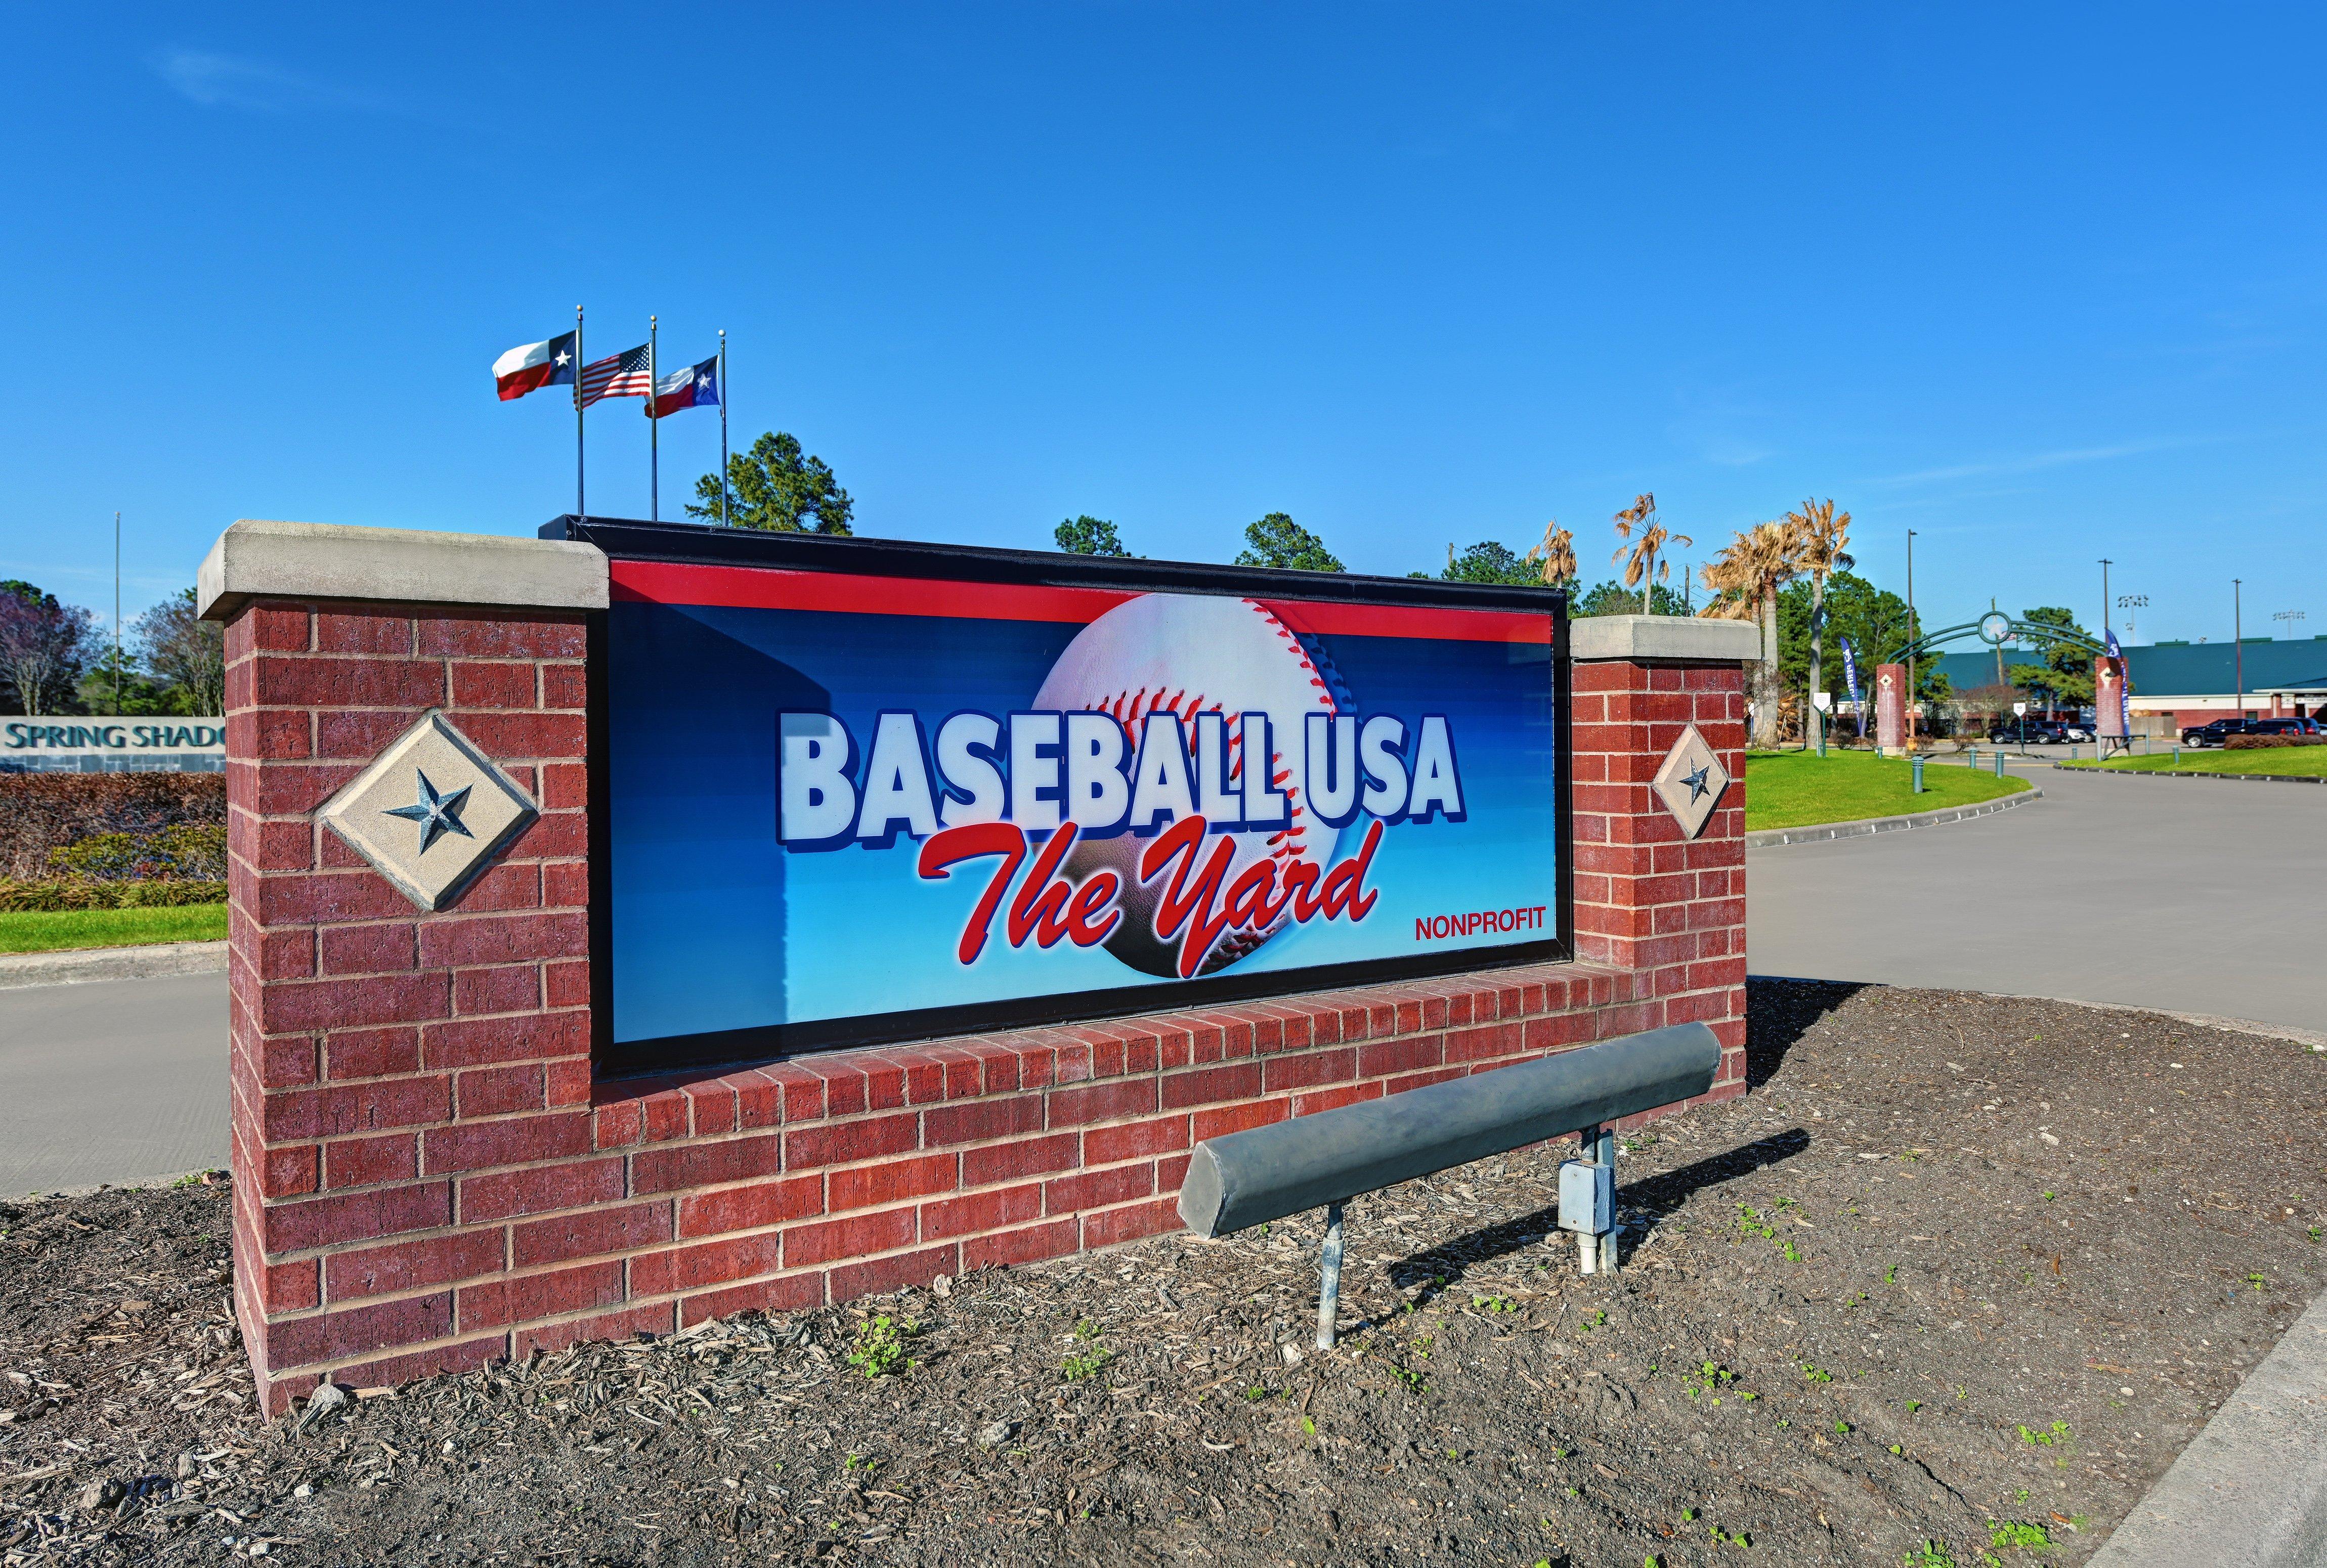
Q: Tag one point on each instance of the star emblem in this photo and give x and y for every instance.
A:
(1696, 782)
(436, 813)
(563, 356)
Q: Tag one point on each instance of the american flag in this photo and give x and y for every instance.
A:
(623, 375)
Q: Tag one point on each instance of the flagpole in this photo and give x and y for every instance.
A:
(726, 520)
(580, 509)
(117, 618)
(654, 448)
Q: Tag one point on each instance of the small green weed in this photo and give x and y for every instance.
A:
(1739, 1539)
(2013, 1532)
(2057, 1432)
(1890, 1274)
(1811, 1371)
(1308, 1427)
(1842, 1427)
(1080, 1367)
(1930, 1554)
(2255, 1280)
(880, 1348)
(1412, 1380)
(1789, 1254)
(1913, 1405)
(1495, 1304)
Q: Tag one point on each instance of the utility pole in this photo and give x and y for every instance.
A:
(2105, 615)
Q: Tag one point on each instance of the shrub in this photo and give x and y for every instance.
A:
(40, 812)
(2264, 742)
(185, 850)
(18, 898)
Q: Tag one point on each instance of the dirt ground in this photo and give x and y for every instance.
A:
(1954, 1284)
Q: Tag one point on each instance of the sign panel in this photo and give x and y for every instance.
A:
(848, 806)
(79, 742)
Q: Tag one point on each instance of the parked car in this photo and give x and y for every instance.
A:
(2282, 727)
(2216, 732)
(2035, 731)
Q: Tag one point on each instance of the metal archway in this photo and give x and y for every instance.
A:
(1996, 629)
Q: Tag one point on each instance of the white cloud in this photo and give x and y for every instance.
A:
(224, 81)
(2026, 465)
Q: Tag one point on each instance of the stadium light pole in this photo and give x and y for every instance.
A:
(2239, 648)
(1912, 633)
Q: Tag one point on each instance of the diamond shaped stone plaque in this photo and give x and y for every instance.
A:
(431, 813)
(1690, 782)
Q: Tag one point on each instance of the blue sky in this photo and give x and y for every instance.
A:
(2042, 284)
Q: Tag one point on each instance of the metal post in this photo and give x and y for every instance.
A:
(654, 446)
(1328, 1288)
(1914, 632)
(726, 520)
(1917, 763)
(580, 509)
(1607, 1238)
(1999, 762)
(117, 619)
(1587, 1246)
(2239, 646)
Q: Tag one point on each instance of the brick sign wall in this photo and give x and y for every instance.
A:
(429, 1176)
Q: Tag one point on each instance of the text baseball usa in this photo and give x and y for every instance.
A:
(987, 787)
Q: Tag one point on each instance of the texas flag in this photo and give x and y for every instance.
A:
(696, 386)
(534, 365)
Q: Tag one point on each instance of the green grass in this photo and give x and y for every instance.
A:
(1796, 789)
(44, 933)
(2295, 761)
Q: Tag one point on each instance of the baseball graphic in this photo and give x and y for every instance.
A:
(1188, 654)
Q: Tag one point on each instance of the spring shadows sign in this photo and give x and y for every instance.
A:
(857, 791)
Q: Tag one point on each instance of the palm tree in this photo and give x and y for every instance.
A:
(1821, 534)
(1743, 577)
(1642, 568)
(1556, 554)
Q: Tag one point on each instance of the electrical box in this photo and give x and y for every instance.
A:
(1587, 1196)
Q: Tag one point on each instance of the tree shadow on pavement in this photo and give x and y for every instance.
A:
(1779, 1011)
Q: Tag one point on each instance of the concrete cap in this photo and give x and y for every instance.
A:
(1668, 637)
(255, 559)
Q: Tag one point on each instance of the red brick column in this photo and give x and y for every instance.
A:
(1648, 901)
(379, 1055)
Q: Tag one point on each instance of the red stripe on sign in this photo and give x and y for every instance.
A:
(846, 592)
(1326, 619)
(771, 588)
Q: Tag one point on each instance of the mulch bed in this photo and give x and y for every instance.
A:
(1961, 1270)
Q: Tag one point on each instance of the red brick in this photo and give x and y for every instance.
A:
(289, 681)
(294, 1287)
(290, 1171)
(1021, 1157)
(360, 1330)
(385, 631)
(703, 1165)
(275, 628)
(750, 1208)
(1073, 1108)
(384, 1211)
(1053, 1238)
(974, 1121)
(516, 1140)
(286, 955)
(521, 1298)
(511, 885)
(367, 1162)
(1479, 1044)
(874, 1276)
(1221, 1120)
(478, 1042)
(352, 1053)
(1376, 1058)
(1131, 1222)
(591, 1233)
(1097, 1189)
(497, 1091)
(564, 685)
(500, 634)
(405, 1266)
(824, 1241)
(1212, 1084)
(369, 949)
(843, 1142)
(568, 983)
(1398, 1086)
(790, 1293)
(1329, 1099)
(892, 1182)
(288, 1063)
(977, 1211)
(288, 1006)
(1307, 1068)
(708, 1263)
(711, 1107)
(511, 1194)
(656, 1319)
(358, 733)
(339, 1109)
(493, 685)
(1106, 1145)
(526, 734)
(510, 988)
(504, 939)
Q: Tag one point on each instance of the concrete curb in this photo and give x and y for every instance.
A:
(1820, 832)
(73, 965)
(2162, 774)
(2250, 1489)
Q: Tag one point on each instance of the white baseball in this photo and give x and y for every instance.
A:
(1188, 654)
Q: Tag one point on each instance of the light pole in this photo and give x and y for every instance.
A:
(2130, 602)
(1912, 634)
(2238, 646)
(2104, 620)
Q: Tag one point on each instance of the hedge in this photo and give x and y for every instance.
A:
(2266, 743)
(18, 898)
(40, 812)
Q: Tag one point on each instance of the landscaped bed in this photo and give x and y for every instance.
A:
(1960, 1270)
(1797, 788)
(2280, 761)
